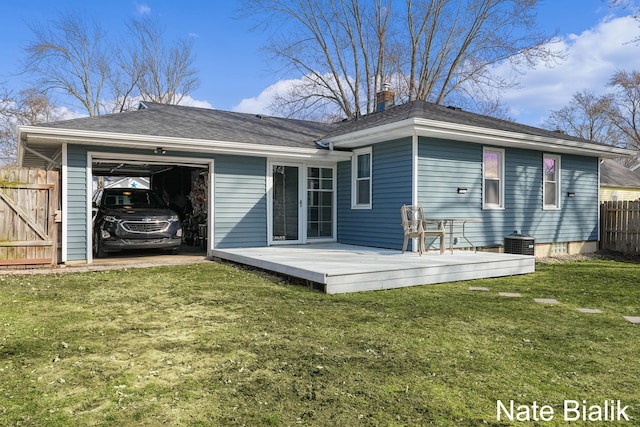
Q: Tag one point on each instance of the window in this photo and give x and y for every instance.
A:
(319, 203)
(551, 181)
(493, 178)
(361, 185)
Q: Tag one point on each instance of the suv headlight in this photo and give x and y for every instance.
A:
(111, 218)
(173, 218)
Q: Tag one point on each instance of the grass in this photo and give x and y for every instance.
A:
(212, 344)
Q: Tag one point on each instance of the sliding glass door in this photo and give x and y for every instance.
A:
(319, 203)
(286, 203)
(299, 212)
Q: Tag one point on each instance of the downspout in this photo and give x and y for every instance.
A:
(88, 171)
(414, 178)
(64, 180)
(600, 160)
(414, 168)
(324, 145)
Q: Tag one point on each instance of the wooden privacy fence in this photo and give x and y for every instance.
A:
(620, 226)
(28, 211)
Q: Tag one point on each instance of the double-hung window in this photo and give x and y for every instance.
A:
(551, 181)
(361, 179)
(493, 178)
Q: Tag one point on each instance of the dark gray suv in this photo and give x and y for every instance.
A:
(130, 218)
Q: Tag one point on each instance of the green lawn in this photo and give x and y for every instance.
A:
(212, 344)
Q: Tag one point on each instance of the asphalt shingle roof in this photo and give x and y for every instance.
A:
(614, 174)
(217, 125)
(202, 123)
(428, 110)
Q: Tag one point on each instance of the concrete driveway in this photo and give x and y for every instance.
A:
(127, 259)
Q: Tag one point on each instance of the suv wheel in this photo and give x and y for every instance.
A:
(98, 250)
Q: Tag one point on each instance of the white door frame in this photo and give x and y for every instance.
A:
(302, 202)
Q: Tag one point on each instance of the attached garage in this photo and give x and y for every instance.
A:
(232, 155)
(182, 185)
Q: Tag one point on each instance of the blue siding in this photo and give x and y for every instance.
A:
(578, 218)
(240, 201)
(391, 188)
(76, 203)
(443, 166)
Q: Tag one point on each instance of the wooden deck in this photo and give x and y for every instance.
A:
(339, 268)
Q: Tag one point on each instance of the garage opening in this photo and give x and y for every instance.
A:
(146, 208)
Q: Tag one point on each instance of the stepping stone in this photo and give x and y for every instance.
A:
(546, 300)
(478, 288)
(589, 310)
(510, 294)
(633, 319)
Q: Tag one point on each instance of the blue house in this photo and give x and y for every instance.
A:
(270, 181)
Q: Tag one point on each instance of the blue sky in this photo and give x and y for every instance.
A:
(235, 73)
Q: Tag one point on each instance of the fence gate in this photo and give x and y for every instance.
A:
(28, 212)
(620, 226)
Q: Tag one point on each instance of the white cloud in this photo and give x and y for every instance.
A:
(191, 102)
(143, 9)
(285, 89)
(64, 113)
(261, 104)
(591, 59)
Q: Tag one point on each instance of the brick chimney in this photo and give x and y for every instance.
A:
(384, 98)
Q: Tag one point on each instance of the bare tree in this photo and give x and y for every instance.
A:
(626, 114)
(75, 56)
(7, 140)
(453, 45)
(337, 47)
(70, 54)
(426, 49)
(167, 72)
(587, 116)
(124, 80)
(28, 107)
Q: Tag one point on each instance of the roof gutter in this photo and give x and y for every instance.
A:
(42, 134)
(473, 134)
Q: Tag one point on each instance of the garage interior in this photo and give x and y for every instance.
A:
(182, 186)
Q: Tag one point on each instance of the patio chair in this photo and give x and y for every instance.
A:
(437, 233)
(414, 223)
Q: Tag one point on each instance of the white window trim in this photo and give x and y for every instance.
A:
(485, 205)
(334, 192)
(557, 204)
(354, 178)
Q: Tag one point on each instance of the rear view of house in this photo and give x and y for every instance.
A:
(270, 181)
